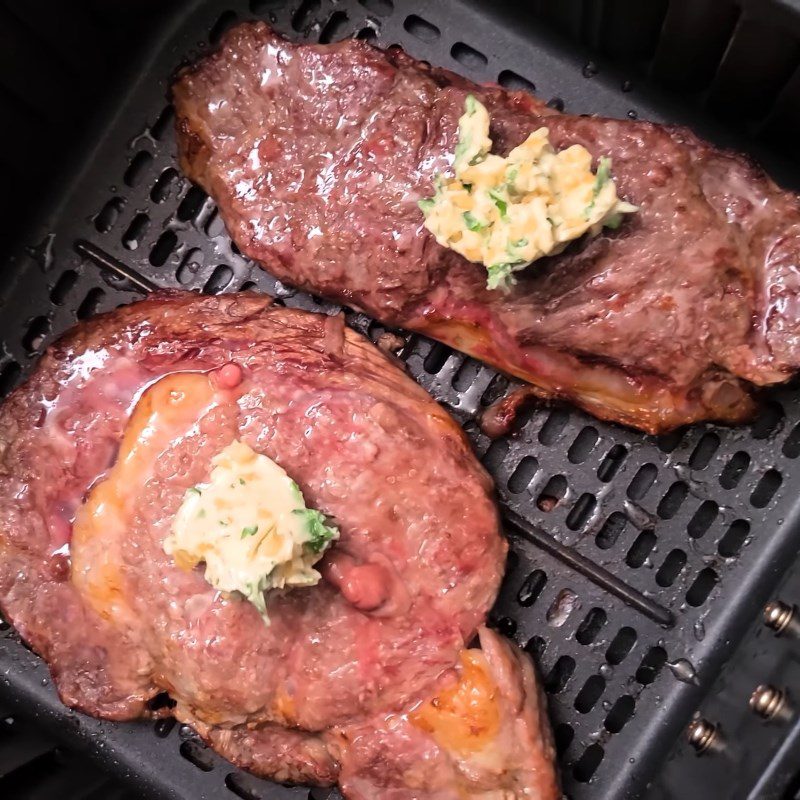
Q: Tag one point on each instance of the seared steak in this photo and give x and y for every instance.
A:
(317, 155)
(117, 619)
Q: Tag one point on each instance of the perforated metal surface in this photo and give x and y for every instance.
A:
(702, 521)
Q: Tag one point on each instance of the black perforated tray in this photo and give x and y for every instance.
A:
(698, 525)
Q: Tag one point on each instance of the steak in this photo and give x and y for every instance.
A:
(119, 622)
(316, 156)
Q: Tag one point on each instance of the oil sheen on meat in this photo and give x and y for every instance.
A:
(97, 451)
(317, 156)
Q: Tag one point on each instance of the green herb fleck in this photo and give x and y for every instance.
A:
(426, 205)
(468, 187)
(318, 532)
(500, 202)
(201, 513)
(472, 223)
(603, 174)
(501, 275)
(600, 180)
(193, 490)
(471, 104)
(250, 530)
(614, 221)
(242, 481)
(520, 243)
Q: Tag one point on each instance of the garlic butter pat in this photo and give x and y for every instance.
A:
(250, 526)
(505, 213)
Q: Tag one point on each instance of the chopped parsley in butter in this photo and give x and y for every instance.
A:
(507, 212)
(250, 526)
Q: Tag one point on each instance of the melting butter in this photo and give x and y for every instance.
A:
(505, 213)
(250, 526)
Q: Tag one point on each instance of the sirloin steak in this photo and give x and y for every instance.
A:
(118, 621)
(317, 155)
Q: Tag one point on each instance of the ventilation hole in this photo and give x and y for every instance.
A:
(590, 626)
(163, 727)
(437, 355)
(421, 28)
(215, 227)
(521, 477)
(367, 35)
(35, 335)
(651, 665)
(225, 21)
(621, 645)
(164, 121)
(497, 387)
(245, 786)
(734, 470)
(553, 426)
(791, 447)
(559, 675)
(552, 494)
(531, 588)
(91, 303)
(304, 16)
(671, 568)
(563, 734)
(565, 603)
(768, 420)
(132, 237)
(334, 28)
(536, 647)
(672, 501)
(667, 442)
(583, 445)
(9, 373)
(640, 549)
(730, 545)
(136, 169)
(248, 286)
(610, 465)
(468, 56)
(163, 186)
(703, 519)
(380, 7)
(191, 204)
(197, 754)
(590, 693)
(191, 264)
(510, 80)
(163, 248)
(586, 766)
(59, 292)
(109, 215)
(699, 591)
(620, 714)
(612, 528)
(161, 700)
(642, 481)
(495, 454)
(466, 374)
(704, 451)
(557, 103)
(507, 626)
(220, 278)
(260, 6)
(765, 489)
(581, 512)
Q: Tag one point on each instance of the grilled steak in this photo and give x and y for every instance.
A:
(317, 155)
(119, 621)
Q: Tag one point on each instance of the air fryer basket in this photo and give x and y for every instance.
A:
(638, 564)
